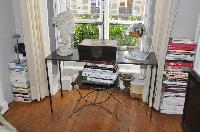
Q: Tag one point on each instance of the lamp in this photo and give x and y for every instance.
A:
(138, 30)
(17, 36)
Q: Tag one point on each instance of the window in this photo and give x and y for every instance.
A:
(106, 19)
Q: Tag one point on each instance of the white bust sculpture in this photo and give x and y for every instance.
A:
(65, 23)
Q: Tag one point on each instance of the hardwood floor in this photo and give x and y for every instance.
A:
(133, 116)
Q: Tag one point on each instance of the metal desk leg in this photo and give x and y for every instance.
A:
(49, 87)
(150, 83)
(60, 78)
(154, 90)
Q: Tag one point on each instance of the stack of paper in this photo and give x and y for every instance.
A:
(102, 73)
(19, 80)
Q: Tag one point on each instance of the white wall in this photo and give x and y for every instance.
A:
(186, 19)
(18, 19)
(7, 28)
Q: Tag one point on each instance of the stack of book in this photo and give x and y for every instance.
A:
(19, 80)
(101, 73)
(179, 59)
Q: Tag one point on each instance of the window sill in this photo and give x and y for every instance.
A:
(125, 47)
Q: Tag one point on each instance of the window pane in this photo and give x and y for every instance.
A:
(85, 31)
(129, 10)
(119, 32)
(85, 9)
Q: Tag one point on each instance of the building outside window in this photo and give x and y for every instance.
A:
(106, 19)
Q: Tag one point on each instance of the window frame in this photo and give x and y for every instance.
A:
(104, 20)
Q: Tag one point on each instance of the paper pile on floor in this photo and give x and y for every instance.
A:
(179, 59)
(19, 80)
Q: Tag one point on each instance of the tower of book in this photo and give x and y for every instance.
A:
(179, 59)
(19, 80)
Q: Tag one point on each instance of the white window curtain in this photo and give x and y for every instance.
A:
(36, 38)
(164, 17)
(197, 56)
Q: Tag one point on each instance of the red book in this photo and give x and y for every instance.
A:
(181, 46)
(184, 64)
